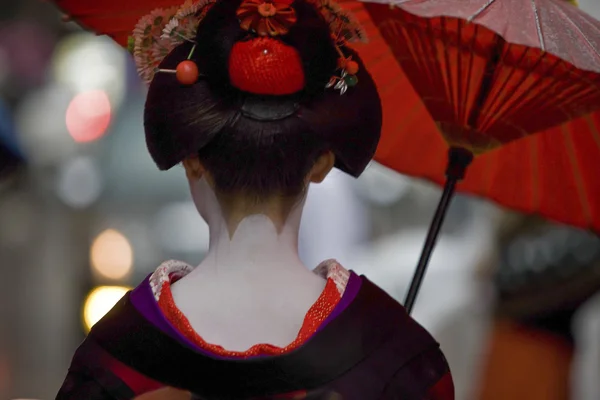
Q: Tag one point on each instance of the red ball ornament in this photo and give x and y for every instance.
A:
(352, 67)
(187, 72)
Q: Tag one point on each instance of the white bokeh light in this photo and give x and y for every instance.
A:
(40, 120)
(85, 62)
(79, 182)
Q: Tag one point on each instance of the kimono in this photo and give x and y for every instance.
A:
(365, 347)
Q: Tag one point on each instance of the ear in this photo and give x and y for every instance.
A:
(322, 167)
(194, 170)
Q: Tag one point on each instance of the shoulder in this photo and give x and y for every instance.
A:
(333, 270)
(407, 332)
(416, 365)
(167, 273)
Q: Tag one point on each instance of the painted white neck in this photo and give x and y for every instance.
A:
(256, 247)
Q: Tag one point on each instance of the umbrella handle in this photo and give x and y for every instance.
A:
(458, 161)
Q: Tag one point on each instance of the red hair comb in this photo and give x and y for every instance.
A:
(266, 66)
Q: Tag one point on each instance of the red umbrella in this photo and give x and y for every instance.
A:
(492, 76)
(487, 74)
(484, 91)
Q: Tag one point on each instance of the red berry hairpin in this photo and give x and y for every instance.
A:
(186, 72)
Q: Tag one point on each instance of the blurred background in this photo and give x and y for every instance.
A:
(84, 215)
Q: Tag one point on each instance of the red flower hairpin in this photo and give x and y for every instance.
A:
(267, 17)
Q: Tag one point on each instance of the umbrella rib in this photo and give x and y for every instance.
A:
(463, 116)
(528, 103)
(538, 26)
(447, 63)
(459, 85)
(481, 10)
(496, 103)
(576, 27)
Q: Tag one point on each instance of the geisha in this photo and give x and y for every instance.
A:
(257, 99)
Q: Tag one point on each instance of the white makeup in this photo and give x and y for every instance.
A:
(251, 287)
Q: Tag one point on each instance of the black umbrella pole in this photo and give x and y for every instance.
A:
(458, 161)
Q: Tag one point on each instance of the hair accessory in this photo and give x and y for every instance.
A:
(344, 29)
(347, 78)
(263, 65)
(267, 17)
(266, 66)
(147, 45)
(187, 72)
(159, 32)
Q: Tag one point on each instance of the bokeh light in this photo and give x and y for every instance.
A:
(99, 302)
(79, 182)
(41, 124)
(88, 116)
(85, 62)
(111, 255)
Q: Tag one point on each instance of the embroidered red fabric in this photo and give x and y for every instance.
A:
(315, 316)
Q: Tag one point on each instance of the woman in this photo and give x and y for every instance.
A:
(257, 99)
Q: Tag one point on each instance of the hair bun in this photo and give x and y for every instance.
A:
(266, 66)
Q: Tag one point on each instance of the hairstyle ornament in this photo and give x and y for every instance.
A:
(263, 64)
(267, 17)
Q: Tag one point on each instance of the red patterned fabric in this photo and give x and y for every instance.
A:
(266, 66)
(314, 318)
(171, 271)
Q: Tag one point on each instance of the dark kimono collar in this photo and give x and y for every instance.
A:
(368, 323)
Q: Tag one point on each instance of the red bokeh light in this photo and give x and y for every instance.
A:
(88, 116)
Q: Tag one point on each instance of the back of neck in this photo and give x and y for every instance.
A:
(256, 246)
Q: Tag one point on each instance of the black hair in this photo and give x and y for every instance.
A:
(243, 154)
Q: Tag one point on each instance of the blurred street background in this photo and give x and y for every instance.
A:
(85, 214)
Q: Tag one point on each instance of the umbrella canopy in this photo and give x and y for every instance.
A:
(486, 73)
(494, 73)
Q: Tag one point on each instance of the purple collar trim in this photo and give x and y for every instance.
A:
(143, 300)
